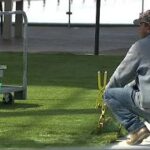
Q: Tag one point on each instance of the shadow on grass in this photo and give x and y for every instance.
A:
(52, 112)
(18, 105)
(16, 143)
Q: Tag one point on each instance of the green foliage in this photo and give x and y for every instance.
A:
(60, 110)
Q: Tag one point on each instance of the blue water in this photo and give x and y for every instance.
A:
(83, 11)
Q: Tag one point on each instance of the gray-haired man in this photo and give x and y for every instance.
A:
(130, 102)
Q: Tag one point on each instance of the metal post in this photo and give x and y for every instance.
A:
(58, 2)
(7, 25)
(29, 3)
(1, 9)
(142, 6)
(96, 48)
(69, 13)
(19, 20)
(44, 3)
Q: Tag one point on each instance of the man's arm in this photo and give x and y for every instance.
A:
(126, 71)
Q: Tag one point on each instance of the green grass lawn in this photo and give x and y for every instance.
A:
(60, 109)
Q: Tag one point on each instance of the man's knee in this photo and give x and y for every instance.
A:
(111, 97)
(107, 95)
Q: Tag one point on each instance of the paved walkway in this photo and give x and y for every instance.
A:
(78, 40)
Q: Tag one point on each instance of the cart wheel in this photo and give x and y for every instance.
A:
(8, 98)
